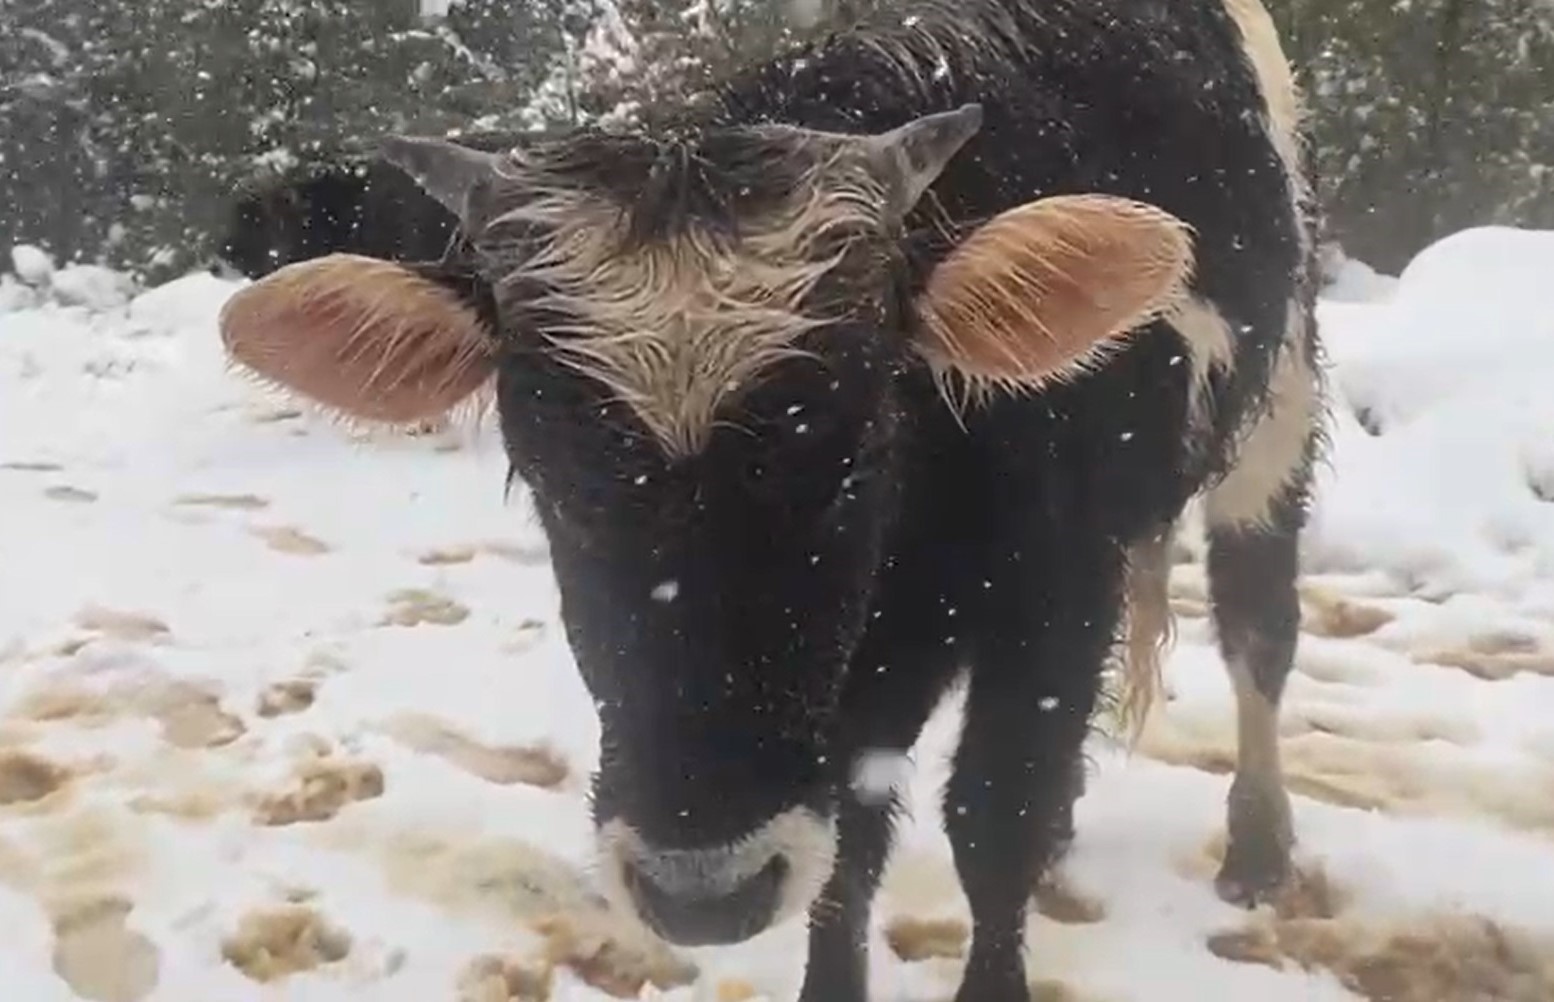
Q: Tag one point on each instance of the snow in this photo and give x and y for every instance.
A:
(1454, 493)
(92, 286)
(31, 264)
(287, 711)
(880, 774)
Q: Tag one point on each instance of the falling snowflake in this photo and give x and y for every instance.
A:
(666, 591)
(879, 773)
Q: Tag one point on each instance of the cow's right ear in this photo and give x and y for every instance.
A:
(371, 340)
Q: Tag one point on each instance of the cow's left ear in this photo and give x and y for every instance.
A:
(1043, 292)
(910, 158)
(456, 175)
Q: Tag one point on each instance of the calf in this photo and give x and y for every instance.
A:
(896, 361)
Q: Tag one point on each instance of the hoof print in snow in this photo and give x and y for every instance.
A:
(1327, 615)
(121, 625)
(603, 962)
(1054, 991)
(413, 607)
(913, 939)
(1369, 421)
(1494, 657)
(1257, 945)
(274, 415)
(191, 717)
(518, 553)
(291, 696)
(1056, 900)
(528, 633)
(291, 541)
(537, 766)
(465, 553)
(1189, 608)
(276, 943)
(26, 778)
(736, 990)
(235, 502)
(447, 555)
(65, 492)
(323, 787)
(23, 466)
(1427, 959)
(505, 979)
(99, 956)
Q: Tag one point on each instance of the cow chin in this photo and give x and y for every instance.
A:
(723, 894)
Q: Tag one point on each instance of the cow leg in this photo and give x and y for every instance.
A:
(838, 965)
(898, 678)
(1034, 682)
(1254, 518)
(1252, 574)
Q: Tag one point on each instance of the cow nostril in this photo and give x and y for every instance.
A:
(713, 914)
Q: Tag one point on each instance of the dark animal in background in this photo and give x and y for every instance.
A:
(900, 362)
(350, 202)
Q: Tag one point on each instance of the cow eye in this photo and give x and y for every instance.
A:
(799, 463)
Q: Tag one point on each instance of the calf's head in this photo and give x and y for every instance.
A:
(696, 346)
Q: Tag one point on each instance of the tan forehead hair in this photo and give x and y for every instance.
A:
(675, 326)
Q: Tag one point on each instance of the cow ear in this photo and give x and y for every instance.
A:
(911, 157)
(370, 340)
(1045, 291)
(454, 174)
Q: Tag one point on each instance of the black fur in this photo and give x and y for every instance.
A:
(844, 545)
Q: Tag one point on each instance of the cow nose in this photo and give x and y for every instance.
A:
(705, 905)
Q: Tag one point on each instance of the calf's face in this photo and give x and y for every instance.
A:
(696, 345)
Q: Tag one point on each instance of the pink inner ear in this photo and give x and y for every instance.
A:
(367, 338)
(1043, 290)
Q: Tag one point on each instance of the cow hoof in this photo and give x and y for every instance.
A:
(1252, 874)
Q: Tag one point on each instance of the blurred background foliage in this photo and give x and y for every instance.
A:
(125, 127)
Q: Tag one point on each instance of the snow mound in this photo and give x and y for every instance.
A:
(1353, 281)
(16, 296)
(31, 264)
(90, 286)
(1442, 468)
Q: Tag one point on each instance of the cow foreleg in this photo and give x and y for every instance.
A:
(1035, 678)
(899, 676)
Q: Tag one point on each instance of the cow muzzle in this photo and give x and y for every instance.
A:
(721, 894)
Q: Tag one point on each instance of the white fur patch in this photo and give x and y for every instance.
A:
(1257, 722)
(1210, 345)
(1274, 451)
(675, 327)
(1281, 98)
(799, 835)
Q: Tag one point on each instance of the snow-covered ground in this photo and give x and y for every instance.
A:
(287, 715)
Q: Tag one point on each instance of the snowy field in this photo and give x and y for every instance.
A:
(287, 714)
